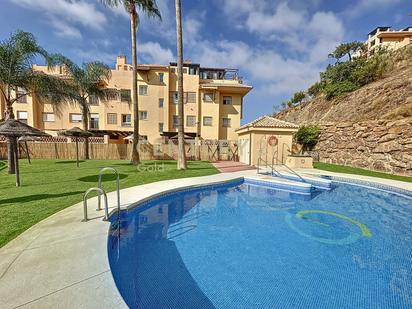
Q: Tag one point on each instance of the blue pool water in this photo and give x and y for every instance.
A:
(246, 246)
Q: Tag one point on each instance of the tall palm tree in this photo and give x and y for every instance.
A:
(84, 83)
(181, 156)
(18, 79)
(149, 7)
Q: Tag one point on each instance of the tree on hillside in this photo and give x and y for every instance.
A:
(308, 136)
(18, 79)
(181, 159)
(149, 7)
(346, 49)
(298, 97)
(84, 86)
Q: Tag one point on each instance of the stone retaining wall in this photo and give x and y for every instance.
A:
(377, 145)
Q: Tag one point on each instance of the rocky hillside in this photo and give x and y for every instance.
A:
(389, 98)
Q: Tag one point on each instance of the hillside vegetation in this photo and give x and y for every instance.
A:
(357, 90)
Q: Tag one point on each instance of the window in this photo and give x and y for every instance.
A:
(21, 96)
(125, 95)
(190, 97)
(112, 94)
(175, 121)
(94, 121)
(160, 127)
(48, 117)
(111, 118)
(192, 71)
(184, 70)
(227, 100)
(142, 115)
(207, 121)
(93, 100)
(174, 97)
(190, 121)
(126, 120)
(173, 70)
(226, 122)
(161, 102)
(208, 97)
(142, 89)
(161, 77)
(22, 116)
(75, 117)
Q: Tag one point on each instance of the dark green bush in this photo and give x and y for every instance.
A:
(308, 136)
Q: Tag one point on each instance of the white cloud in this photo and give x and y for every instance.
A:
(64, 15)
(293, 46)
(283, 19)
(62, 29)
(364, 6)
(152, 52)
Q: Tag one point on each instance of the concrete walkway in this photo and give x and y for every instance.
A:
(62, 262)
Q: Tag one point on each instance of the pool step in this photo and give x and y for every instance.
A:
(317, 182)
(280, 183)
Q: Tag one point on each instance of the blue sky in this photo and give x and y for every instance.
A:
(279, 46)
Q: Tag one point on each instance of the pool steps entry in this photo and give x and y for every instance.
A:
(275, 167)
(101, 192)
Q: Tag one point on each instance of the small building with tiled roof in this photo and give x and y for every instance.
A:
(264, 139)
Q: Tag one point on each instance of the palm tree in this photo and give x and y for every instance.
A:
(84, 84)
(17, 77)
(181, 157)
(149, 7)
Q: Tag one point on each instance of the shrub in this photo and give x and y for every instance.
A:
(308, 136)
(315, 89)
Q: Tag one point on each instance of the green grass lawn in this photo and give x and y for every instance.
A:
(48, 186)
(358, 171)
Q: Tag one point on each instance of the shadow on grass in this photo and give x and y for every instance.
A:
(36, 197)
(3, 165)
(69, 162)
(106, 177)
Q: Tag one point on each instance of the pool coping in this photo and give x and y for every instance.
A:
(62, 262)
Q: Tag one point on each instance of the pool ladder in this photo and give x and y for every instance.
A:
(101, 192)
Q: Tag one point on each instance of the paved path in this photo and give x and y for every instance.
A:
(231, 166)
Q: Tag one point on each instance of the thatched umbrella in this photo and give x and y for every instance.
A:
(76, 132)
(13, 129)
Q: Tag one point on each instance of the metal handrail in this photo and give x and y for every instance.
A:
(106, 206)
(291, 170)
(117, 184)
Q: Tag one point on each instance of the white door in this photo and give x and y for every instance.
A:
(244, 149)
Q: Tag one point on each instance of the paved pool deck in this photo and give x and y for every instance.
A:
(62, 262)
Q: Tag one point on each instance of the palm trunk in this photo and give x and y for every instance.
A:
(9, 114)
(181, 158)
(85, 116)
(135, 151)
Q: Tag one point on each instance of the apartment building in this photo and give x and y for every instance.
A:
(386, 37)
(213, 100)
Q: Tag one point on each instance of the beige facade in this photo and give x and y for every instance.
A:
(213, 104)
(265, 138)
(386, 37)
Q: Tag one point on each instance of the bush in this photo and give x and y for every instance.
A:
(315, 89)
(308, 136)
(344, 77)
(333, 90)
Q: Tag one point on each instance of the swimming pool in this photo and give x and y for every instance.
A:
(242, 245)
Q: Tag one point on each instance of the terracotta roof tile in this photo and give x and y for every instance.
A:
(269, 122)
